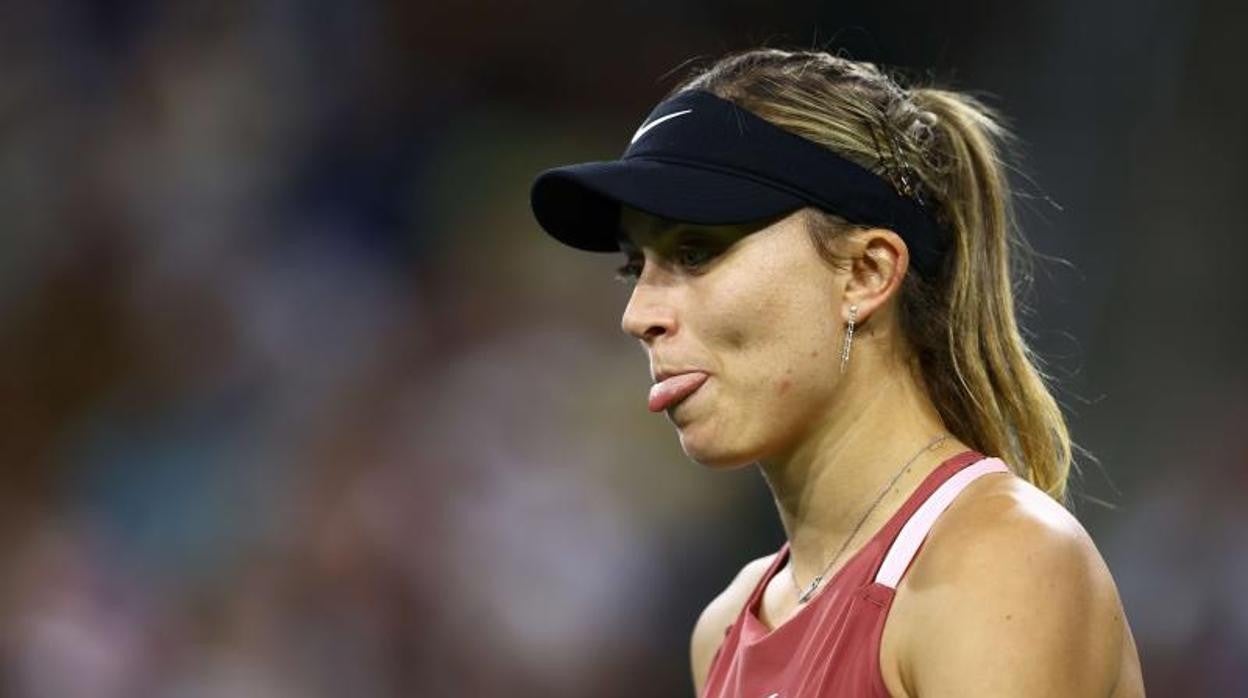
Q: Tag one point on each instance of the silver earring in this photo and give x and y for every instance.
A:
(849, 337)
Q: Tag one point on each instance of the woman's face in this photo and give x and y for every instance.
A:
(757, 312)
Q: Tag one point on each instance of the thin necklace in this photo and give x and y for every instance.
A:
(804, 596)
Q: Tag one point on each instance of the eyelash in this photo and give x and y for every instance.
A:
(629, 273)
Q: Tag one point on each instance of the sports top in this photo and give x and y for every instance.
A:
(831, 646)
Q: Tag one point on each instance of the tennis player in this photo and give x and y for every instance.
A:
(823, 268)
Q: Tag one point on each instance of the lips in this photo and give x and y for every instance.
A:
(673, 389)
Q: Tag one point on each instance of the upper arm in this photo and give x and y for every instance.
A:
(1025, 607)
(709, 631)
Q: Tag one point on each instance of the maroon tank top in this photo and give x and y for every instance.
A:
(831, 646)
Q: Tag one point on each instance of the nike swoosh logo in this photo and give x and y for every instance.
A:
(646, 127)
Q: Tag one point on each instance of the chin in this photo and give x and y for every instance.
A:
(711, 456)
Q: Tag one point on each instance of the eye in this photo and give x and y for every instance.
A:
(693, 255)
(690, 255)
(629, 273)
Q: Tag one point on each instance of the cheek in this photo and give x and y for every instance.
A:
(795, 382)
(785, 383)
(774, 330)
(785, 351)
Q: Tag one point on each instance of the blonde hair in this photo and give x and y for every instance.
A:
(944, 149)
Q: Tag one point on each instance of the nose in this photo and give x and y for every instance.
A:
(648, 314)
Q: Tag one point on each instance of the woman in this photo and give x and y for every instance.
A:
(822, 270)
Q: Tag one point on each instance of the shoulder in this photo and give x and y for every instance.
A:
(719, 614)
(1009, 596)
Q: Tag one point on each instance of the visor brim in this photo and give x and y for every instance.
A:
(579, 205)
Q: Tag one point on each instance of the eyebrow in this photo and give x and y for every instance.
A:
(659, 226)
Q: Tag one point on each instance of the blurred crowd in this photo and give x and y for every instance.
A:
(298, 401)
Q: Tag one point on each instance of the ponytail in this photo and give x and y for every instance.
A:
(994, 396)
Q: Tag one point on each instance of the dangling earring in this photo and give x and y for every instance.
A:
(849, 337)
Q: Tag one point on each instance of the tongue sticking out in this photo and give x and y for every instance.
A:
(674, 389)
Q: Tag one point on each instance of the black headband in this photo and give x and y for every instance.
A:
(701, 159)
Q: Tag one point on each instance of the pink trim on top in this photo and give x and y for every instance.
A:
(916, 529)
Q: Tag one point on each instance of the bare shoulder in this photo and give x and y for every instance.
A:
(719, 614)
(1009, 596)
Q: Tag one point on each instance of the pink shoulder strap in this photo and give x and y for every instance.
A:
(907, 543)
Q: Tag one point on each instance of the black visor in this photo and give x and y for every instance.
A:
(704, 160)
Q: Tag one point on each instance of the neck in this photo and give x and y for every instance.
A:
(825, 485)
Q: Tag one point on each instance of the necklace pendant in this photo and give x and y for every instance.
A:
(814, 584)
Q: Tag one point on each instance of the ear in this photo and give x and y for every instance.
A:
(878, 262)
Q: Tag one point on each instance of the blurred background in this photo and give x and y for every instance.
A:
(297, 400)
